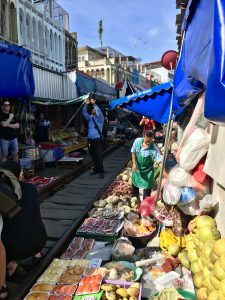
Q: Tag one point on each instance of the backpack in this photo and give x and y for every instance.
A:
(10, 194)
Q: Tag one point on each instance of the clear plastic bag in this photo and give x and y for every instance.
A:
(190, 209)
(179, 177)
(171, 194)
(194, 149)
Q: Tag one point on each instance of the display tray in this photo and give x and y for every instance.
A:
(90, 296)
(101, 250)
(98, 237)
(72, 148)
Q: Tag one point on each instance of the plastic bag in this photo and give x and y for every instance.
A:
(171, 194)
(190, 209)
(188, 195)
(207, 203)
(179, 177)
(201, 187)
(123, 249)
(147, 206)
(198, 172)
(194, 149)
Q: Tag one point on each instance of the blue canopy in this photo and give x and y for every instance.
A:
(16, 73)
(202, 63)
(153, 103)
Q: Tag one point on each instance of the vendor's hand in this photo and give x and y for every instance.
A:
(93, 101)
(11, 116)
(87, 101)
(16, 125)
(134, 168)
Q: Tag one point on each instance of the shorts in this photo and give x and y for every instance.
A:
(9, 146)
(1, 226)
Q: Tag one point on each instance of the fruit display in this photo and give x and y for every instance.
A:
(114, 291)
(205, 257)
(168, 240)
(168, 294)
(89, 285)
(139, 228)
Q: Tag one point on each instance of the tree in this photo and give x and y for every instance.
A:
(100, 31)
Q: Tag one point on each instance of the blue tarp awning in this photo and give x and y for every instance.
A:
(16, 73)
(153, 103)
(202, 64)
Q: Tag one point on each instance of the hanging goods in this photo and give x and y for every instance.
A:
(194, 149)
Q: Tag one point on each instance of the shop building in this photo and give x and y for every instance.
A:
(155, 72)
(71, 44)
(109, 65)
(8, 20)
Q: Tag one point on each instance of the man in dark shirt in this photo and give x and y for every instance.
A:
(8, 132)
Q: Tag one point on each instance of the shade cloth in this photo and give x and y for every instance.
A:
(16, 73)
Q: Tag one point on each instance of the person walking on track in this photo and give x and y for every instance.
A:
(95, 119)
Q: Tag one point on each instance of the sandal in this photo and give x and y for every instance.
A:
(18, 275)
(4, 292)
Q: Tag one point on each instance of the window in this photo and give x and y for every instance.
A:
(79, 58)
(83, 58)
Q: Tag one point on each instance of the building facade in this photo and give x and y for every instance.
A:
(71, 50)
(109, 65)
(8, 21)
(42, 33)
(155, 72)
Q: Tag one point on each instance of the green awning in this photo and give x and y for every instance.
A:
(42, 101)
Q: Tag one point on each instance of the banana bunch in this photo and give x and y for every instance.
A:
(167, 238)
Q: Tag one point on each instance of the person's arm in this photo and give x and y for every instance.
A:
(85, 113)
(14, 126)
(7, 122)
(134, 165)
(142, 121)
(99, 113)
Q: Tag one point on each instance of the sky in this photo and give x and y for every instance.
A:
(141, 28)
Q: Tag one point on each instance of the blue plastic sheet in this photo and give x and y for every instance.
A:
(16, 73)
(153, 103)
(201, 63)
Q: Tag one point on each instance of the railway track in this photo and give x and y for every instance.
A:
(64, 211)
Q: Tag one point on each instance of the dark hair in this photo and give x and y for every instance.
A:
(41, 112)
(149, 134)
(12, 166)
(3, 101)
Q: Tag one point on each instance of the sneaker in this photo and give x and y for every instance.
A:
(102, 175)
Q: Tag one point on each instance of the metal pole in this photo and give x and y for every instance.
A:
(168, 133)
(74, 116)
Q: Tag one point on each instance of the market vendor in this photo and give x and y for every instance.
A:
(147, 124)
(144, 153)
(42, 129)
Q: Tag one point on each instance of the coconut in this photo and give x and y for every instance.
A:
(214, 295)
(219, 247)
(218, 271)
(195, 267)
(202, 294)
(207, 283)
(222, 261)
(192, 255)
(213, 257)
(215, 282)
(174, 249)
(222, 287)
(198, 280)
(205, 221)
(208, 233)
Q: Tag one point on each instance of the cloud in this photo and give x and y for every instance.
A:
(141, 28)
(153, 32)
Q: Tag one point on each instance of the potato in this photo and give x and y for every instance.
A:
(122, 292)
(135, 285)
(107, 287)
(111, 295)
(133, 298)
(133, 291)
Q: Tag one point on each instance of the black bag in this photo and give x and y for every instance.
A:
(10, 194)
(99, 131)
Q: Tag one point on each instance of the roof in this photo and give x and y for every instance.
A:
(82, 48)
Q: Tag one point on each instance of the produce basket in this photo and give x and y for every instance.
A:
(141, 241)
(124, 284)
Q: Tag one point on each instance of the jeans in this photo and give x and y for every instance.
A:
(95, 151)
(135, 192)
(9, 146)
